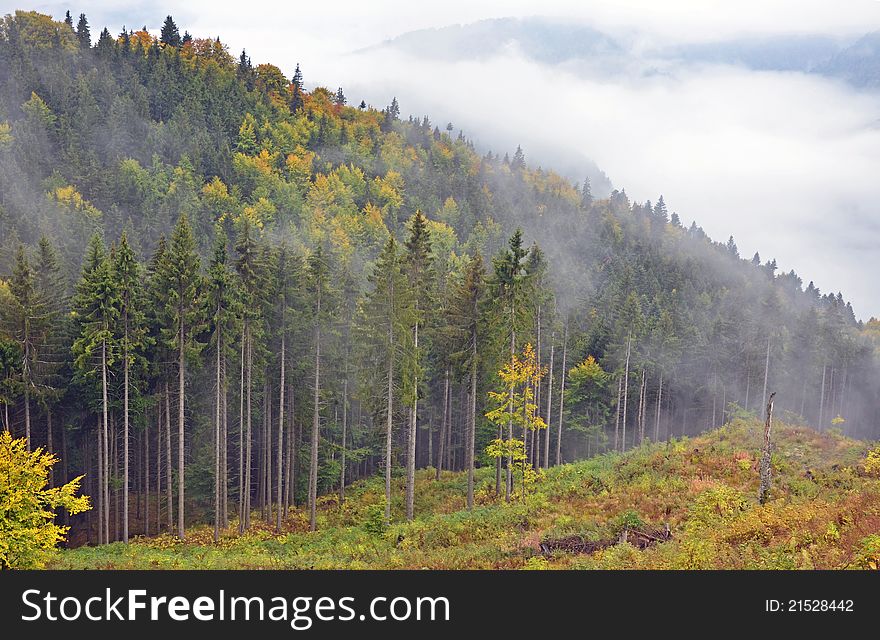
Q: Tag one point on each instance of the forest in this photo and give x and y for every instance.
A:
(226, 299)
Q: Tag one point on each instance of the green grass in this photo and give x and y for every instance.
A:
(824, 512)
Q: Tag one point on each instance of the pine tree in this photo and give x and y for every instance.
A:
(178, 276)
(417, 265)
(95, 349)
(170, 34)
(386, 318)
(466, 315)
(586, 194)
(131, 333)
(507, 290)
(26, 321)
(221, 310)
(320, 302)
(82, 32)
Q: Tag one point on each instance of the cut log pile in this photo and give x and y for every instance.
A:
(641, 538)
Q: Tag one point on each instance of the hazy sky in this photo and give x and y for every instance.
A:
(787, 163)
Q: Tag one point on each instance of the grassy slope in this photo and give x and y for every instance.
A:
(824, 513)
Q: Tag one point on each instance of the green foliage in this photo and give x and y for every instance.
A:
(28, 532)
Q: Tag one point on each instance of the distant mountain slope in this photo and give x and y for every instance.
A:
(550, 41)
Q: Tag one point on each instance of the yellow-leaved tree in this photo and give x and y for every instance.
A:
(28, 533)
(515, 403)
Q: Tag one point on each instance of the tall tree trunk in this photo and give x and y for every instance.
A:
(217, 409)
(147, 477)
(388, 425)
(617, 413)
(561, 397)
(508, 486)
(546, 463)
(181, 377)
(279, 456)
(125, 368)
(766, 374)
(289, 462)
(27, 414)
(106, 450)
(472, 422)
(764, 490)
(224, 449)
(316, 423)
(169, 495)
(411, 440)
(625, 392)
(344, 434)
(821, 422)
(159, 465)
(441, 441)
(100, 483)
(642, 395)
(659, 402)
(49, 448)
(241, 426)
(248, 477)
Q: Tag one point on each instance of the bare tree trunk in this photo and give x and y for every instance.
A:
(181, 378)
(641, 414)
(764, 490)
(766, 374)
(279, 456)
(241, 421)
(217, 409)
(344, 434)
(411, 441)
(49, 448)
(316, 423)
(249, 428)
(748, 384)
(625, 391)
(100, 479)
(224, 450)
(821, 422)
(617, 414)
(27, 414)
(546, 462)
(125, 368)
(106, 451)
(169, 496)
(471, 436)
(388, 425)
(147, 477)
(159, 464)
(508, 486)
(289, 463)
(657, 416)
(441, 441)
(561, 397)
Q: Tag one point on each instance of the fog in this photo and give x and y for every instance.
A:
(787, 163)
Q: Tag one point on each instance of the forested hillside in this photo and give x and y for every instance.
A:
(224, 294)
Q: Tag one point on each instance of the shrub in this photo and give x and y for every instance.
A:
(27, 531)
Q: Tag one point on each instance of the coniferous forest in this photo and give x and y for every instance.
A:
(231, 304)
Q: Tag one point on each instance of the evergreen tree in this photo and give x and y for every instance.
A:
(83, 35)
(178, 276)
(170, 34)
(131, 334)
(386, 318)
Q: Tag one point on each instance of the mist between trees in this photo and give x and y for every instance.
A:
(223, 294)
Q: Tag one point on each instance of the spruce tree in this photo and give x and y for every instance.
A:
(95, 349)
(385, 324)
(179, 278)
(417, 266)
(131, 333)
(170, 34)
(82, 32)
